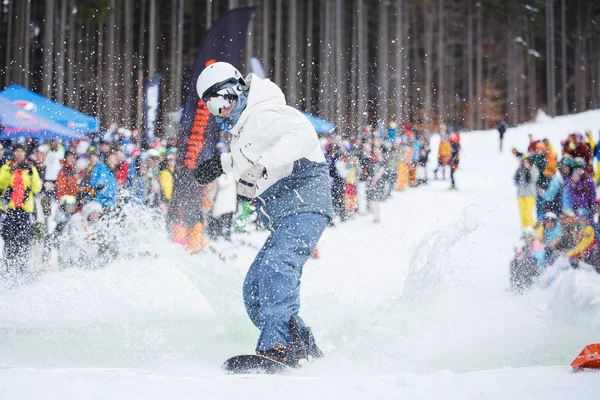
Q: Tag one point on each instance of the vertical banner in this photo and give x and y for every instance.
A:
(199, 131)
(150, 104)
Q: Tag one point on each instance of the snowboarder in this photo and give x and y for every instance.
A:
(278, 163)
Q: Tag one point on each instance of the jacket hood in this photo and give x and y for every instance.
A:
(262, 93)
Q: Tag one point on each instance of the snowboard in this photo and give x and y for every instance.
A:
(254, 364)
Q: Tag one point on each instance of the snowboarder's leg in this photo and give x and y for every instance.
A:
(276, 274)
(251, 299)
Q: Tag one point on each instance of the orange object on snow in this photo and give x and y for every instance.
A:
(402, 176)
(192, 239)
(588, 358)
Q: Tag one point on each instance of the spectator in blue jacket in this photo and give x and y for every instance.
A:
(104, 181)
(566, 170)
(551, 198)
(552, 235)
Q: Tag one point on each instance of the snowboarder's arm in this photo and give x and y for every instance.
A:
(209, 170)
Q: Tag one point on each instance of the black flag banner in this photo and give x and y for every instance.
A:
(199, 131)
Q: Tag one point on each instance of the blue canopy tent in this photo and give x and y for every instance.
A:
(40, 105)
(320, 125)
(15, 123)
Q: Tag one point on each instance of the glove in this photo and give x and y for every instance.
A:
(246, 187)
(209, 170)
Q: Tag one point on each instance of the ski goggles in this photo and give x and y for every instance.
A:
(224, 98)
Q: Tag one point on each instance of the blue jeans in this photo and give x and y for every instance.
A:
(272, 285)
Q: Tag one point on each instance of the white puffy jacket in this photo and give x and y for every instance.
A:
(271, 133)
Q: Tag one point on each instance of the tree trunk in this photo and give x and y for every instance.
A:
(553, 57)
(179, 66)
(510, 75)
(406, 81)
(209, 13)
(363, 90)
(48, 49)
(399, 81)
(353, 112)
(72, 39)
(170, 103)
(26, 46)
(60, 54)
(152, 60)
(266, 53)
(479, 72)
(340, 95)
(128, 66)
(579, 81)
(100, 72)
(325, 51)
(278, 71)
(292, 73)
(250, 39)
(531, 78)
(9, 45)
(563, 41)
(309, 57)
(550, 80)
(470, 105)
(111, 65)
(382, 63)
(140, 70)
(440, 85)
(416, 66)
(428, 17)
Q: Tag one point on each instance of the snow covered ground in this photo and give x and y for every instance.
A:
(413, 307)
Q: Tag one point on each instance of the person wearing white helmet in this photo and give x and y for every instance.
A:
(277, 161)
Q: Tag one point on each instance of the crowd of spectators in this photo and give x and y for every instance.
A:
(558, 207)
(65, 195)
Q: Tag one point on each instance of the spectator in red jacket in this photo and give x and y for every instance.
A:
(123, 168)
(532, 144)
(582, 149)
(68, 177)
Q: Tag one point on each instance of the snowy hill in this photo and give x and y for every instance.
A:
(414, 307)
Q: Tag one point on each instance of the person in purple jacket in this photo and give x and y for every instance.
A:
(581, 187)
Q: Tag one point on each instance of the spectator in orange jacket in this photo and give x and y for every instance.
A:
(68, 177)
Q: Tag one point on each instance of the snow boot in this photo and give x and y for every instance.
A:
(302, 347)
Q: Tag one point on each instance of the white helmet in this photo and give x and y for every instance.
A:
(210, 86)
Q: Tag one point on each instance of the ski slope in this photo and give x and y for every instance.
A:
(414, 307)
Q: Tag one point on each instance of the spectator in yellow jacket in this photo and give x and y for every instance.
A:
(165, 178)
(19, 181)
